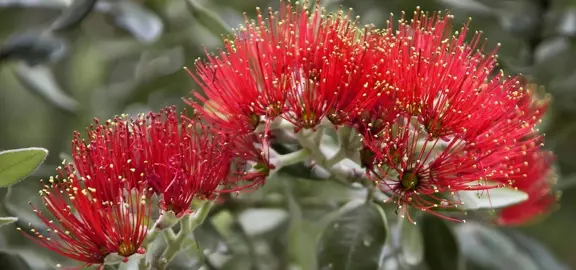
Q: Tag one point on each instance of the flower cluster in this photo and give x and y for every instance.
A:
(434, 114)
(433, 117)
(102, 201)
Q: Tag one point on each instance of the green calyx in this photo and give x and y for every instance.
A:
(254, 120)
(261, 167)
(409, 181)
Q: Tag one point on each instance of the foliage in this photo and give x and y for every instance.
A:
(64, 62)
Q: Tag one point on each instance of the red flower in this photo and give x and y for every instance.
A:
(178, 160)
(251, 164)
(110, 151)
(300, 64)
(243, 82)
(91, 223)
(444, 125)
(331, 66)
(533, 176)
(186, 159)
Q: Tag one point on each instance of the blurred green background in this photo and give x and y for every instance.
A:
(127, 57)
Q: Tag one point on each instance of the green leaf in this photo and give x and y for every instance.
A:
(208, 19)
(16, 164)
(33, 3)
(142, 23)
(411, 243)
(7, 220)
(468, 5)
(492, 198)
(238, 262)
(440, 247)
(10, 260)
(40, 80)
(262, 220)
(74, 15)
(302, 235)
(491, 249)
(33, 48)
(354, 240)
(535, 250)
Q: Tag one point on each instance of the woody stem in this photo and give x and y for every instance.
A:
(187, 226)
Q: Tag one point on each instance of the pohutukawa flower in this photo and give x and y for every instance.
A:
(299, 64)
(110, 151)
(534, 176)
(331, 66)
(444, 124)
(177, 160)
(187, 159)
(88, 224)
(251, 165)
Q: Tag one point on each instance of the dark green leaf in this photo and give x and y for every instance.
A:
(13, 261)
(7, 220)
(440, 247)
(354, 240)
(41, 81)
(302, 235)
(238, 262)
(33, 3)
(16, 164)
(74, 15)
(143, 24)
(33, 48)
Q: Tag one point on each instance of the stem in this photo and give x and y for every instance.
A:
(279, 123)
(568, 183)
(169, 235)
(347, 174)
(292, 158)
(371, 190)
(151, 235)
(344, 141)
(312, 145)
(187, 226)
(339, 156)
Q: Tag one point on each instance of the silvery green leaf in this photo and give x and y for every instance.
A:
(73, 15)
(17, 164)
(7, 220)
(567, 25)
(468, 5)
(354, 240)
(35, 3)
(492, 198)
(142, 23)
(207, 18)
(411, 243)
(491, 249)
(258, 221)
